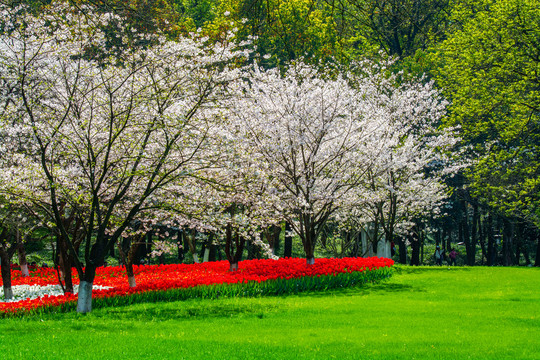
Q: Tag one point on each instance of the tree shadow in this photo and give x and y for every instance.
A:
(183, 310)
(366, 289)
(424, 269)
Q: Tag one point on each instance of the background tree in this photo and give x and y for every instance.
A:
(488, 67)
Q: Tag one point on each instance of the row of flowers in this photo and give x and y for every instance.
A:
(254, 276)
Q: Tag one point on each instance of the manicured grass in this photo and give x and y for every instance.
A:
(419, 313)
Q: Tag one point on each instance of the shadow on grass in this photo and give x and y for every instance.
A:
(366, 289)
(182, 310)
(423, 269)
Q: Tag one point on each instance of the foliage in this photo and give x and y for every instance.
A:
(488, 67)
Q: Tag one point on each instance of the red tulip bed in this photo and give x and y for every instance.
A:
(206, 280)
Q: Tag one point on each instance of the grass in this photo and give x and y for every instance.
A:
(420, 313)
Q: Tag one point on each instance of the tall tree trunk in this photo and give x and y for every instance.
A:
(23, 263)
(469, 248)
(421, 238)
(277, 237)
(491, 254)
(474, 235)
(64, 262)
(518, 242)
(179, 246)
(287, 251)
(190, 240)
(508, 243)
(415, 246)
(308, 237)
(129, 258)
(537, 258)
(402, 248)
(5, 265)
(84, 297)
(212, 247)
(234, 247)
(483, 237)
(356, 245)
(448, 238)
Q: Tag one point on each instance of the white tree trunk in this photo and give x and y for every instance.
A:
(8, 293)
(206, 255)
(131, 281)
(383, 249)
(233, 267)
(310, 261)
(195, 259)
(84, 300)
(367, 248)
(24, 270)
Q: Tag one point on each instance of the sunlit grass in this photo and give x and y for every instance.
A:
(422, 313)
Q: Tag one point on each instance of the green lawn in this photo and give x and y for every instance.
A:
(420, 313)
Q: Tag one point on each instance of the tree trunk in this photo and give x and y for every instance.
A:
(483, 236)
(518, 250)
(210, 252)
(422, 243)
(356, 245)
(308, 236)
(508, 243)
(84, 297)
(469, 248)
(310, 261)
(23, 263)
(267, 234)
(129, 259)
(474, 235)
(415, 245)
(287, 251)
(277, 236)
(449, 238)
(402, 250)
(491, 242)
(234, 246)
(190, 240)
(64, 261)
(537, 259)
(6, 273)
(179, 246)
(68, 277)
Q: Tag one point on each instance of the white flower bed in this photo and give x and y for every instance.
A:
(30, 292)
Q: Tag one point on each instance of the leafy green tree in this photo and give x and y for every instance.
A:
(396, 27)
(283, 30)
(489, 68)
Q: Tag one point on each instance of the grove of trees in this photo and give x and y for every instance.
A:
(226, 122)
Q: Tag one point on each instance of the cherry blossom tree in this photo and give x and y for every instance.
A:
(229, 201)
(107, 137)
(321, 139)
(308, 134)
(407, 180)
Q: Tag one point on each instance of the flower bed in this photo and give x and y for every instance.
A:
(207, 280)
